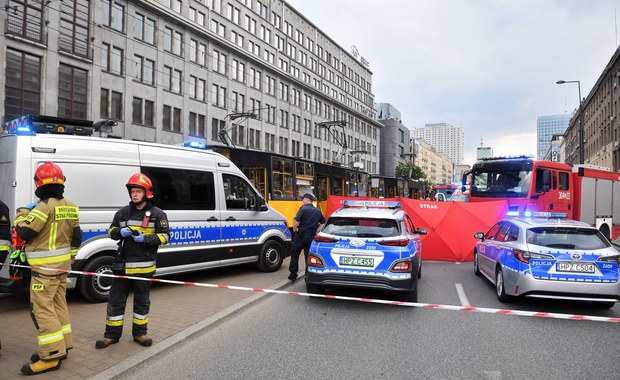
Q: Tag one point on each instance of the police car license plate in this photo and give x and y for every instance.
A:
(357, 261)
(575, 267)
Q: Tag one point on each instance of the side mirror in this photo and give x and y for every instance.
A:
(262, 205)
(479, 235)
(421, 231)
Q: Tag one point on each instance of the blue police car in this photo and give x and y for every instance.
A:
(548, 257)
(367, 244)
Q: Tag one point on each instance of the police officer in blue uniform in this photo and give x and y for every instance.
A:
(308, 220)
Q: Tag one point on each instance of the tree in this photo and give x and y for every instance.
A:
(408, 170)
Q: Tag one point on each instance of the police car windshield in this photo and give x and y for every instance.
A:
(567, 238)
(361, 227)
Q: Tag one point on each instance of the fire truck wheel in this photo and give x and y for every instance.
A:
(96, 288)
(271, 256)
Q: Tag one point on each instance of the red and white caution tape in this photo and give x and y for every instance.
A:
(521, 313)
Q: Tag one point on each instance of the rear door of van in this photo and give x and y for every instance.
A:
(8, 183)
(184, 184)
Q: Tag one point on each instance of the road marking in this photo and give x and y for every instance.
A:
(462, 296)
(492, 375)
(523, 313)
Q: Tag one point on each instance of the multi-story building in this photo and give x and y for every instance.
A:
(600, 110)
(171, 71)
(436, 165)
(446, 138)
(546, 127)
(553, 151)
(394, 140)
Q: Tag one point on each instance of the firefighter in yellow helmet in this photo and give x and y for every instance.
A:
(141, 228)
(51, 230)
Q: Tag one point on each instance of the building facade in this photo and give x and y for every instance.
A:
(446, 138)
(553, 151)
(394, 140)
(600, 121)
(436, 165)
(546, 127)
(173, 71)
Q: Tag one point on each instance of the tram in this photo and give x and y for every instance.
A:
(282, 180)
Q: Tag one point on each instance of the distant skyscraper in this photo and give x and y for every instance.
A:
(547, 126)
(446, 138)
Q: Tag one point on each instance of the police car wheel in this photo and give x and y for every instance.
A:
(271, 256)
(96, 288)
(500, 287)
(476, 264)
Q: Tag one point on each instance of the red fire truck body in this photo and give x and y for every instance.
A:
(586, 193)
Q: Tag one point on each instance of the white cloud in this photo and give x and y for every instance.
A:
(490, 65)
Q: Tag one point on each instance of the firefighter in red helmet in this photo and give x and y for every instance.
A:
(52, 235)
(140, 228)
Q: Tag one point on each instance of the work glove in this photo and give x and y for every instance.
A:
(17, 258)
(126, 231)
(138, 237)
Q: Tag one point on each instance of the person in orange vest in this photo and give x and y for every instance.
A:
(51, 231)
(141, 228)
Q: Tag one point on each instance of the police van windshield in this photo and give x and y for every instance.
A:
(361, 227)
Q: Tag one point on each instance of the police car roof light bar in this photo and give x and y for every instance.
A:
(538, 214)
(372, 204)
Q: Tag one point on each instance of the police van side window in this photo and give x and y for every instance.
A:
(239, 194)
(180, 189)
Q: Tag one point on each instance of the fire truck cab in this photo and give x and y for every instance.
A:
(582, 192)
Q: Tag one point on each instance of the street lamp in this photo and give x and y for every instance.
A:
(581, 150)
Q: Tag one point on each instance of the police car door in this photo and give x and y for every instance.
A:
(242, 223)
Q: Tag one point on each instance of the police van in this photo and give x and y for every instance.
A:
(217, 218)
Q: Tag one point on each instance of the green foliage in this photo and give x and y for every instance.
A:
(409, 170)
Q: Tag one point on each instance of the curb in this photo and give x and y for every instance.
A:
(171, 342)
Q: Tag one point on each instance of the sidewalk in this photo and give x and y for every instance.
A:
(177, 312)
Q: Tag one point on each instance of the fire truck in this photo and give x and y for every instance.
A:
(581, 192)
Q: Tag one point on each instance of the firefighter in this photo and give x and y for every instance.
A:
(51, 231)
(5, 233)
(140, 228)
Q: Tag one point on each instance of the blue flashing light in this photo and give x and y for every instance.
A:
(538, 214)
(373, 204)
(20, 126)
(195, 145)
(512, 213)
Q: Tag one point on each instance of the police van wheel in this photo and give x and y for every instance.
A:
(96, 288)
(271, 256)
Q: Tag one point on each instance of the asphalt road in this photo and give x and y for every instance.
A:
(284, 336)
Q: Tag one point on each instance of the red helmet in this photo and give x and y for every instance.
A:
(48, 174)
(140, 180)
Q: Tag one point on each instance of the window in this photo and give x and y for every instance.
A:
(113, 15)
(25, 19)
(173, 41)
(197, 88)
(218, 28)
(112, 59)
(564, 185)
(72, 94)
(171, 119)
(111, 104)
(196, 124)
(219, 62)
(238, 71)
(216, 127)
(255, 80)
(177, 189)
(144, 70)
(143, 112)
(23, 84)
(239, 194)
(74, 26)
(219, 96)
(282, 178)
(198, 52)
(144, 29)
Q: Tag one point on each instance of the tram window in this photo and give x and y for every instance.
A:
(281, 178)
(304, 178)
(336, 188)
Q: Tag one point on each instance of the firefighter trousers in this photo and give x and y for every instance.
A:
(119, 291)
(48, 308)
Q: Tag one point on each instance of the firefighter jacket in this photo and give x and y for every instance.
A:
(52, 234)
(140, 258)
(5, 230)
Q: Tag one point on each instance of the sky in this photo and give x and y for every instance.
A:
(489, 65)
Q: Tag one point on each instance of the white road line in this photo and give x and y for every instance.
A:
(492, 375)
(462, 296)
